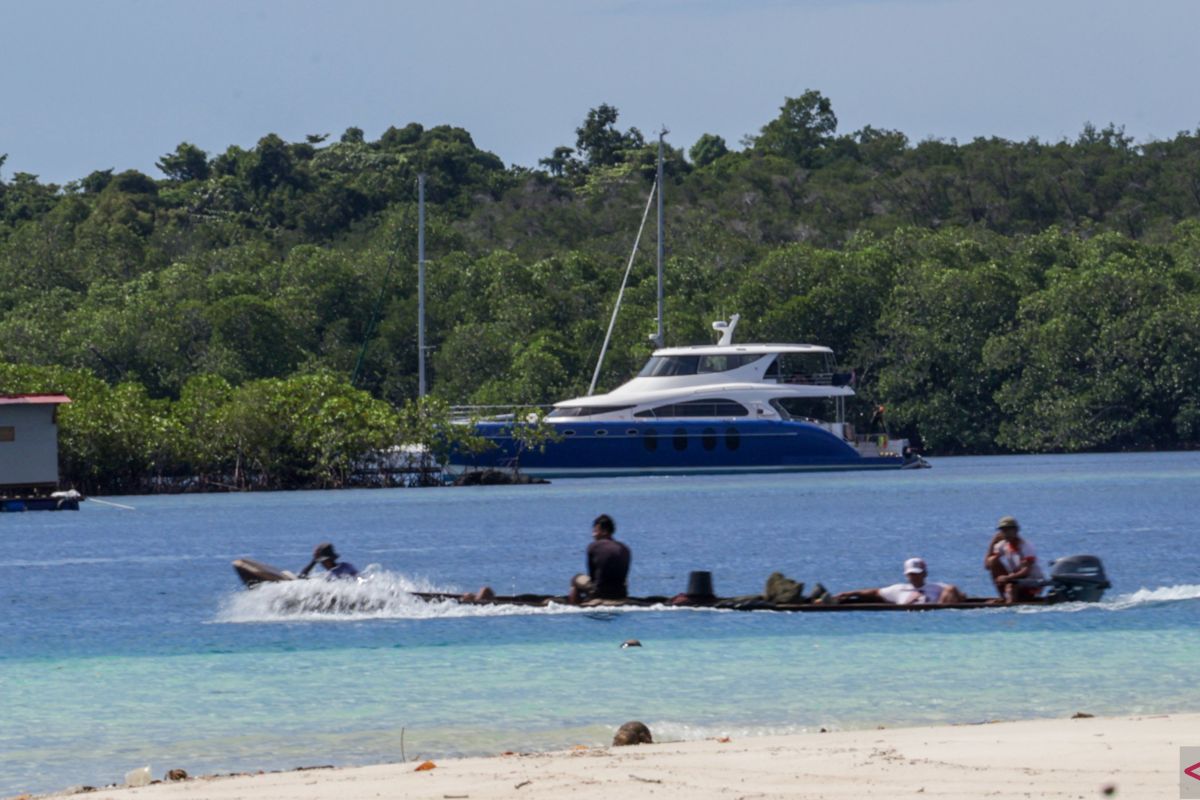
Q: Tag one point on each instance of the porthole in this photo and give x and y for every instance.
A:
(601, 432)
(709, 439)
(733, 439)
(681, 439)
(650, 441)
(631, 431)
(568, 433)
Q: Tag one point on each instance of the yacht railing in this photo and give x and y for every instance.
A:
(496, 412)
(817, 378)
(879, 444)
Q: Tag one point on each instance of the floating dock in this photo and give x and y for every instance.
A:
(59, 501)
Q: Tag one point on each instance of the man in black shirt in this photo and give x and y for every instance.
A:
(607, 564)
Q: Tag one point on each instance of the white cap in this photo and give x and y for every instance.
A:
(914, 565)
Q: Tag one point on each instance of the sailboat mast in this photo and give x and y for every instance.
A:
(660, 337)
(421, 285)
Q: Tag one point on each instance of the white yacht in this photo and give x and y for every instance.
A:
(716, 408)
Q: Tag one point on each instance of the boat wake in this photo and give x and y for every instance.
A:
(1124, 602)
(379, 594)
(376, 594)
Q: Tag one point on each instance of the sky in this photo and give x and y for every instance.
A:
(118, 83)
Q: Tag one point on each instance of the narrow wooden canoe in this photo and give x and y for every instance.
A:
(252, 573)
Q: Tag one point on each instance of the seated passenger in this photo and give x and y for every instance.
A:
(326, 556)
(916, 591)
(484, 596)
(1013, 564)
(608, 566)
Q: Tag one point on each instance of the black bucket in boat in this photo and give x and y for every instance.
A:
(700, 585)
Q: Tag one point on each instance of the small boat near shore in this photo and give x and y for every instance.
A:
(1079, 579)
(727, 603)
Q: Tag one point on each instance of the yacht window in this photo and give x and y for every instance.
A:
(733, 439)
(650, 441)
(583, 411)
(668, 366)
(709, 439)
(725, 362)
(601, 432)
(813, 368)
(812, 408)
(714, 407)
(680, 439)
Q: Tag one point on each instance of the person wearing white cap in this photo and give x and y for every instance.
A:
(917, 590)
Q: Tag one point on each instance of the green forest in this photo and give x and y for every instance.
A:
(248, 318)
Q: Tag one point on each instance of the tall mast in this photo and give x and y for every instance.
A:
(421, 285)
(660, 337)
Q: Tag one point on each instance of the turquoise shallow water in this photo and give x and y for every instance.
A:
(127, 640)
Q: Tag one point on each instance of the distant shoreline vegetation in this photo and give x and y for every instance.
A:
(994, 296)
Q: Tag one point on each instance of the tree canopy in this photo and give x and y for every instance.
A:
(994, 295)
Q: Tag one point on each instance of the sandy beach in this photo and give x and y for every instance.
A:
(1130, 757)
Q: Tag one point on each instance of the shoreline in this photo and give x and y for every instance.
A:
(1135, 756)
(525, 480)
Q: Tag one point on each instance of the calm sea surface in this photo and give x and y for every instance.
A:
(127, 639)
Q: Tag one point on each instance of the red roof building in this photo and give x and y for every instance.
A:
(29, 441)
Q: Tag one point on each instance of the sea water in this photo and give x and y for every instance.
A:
(128, 640)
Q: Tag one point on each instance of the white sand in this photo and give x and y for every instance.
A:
(1069, 758)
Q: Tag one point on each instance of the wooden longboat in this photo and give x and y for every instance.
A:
(253, 573)
(726, 604)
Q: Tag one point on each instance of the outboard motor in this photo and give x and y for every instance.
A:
(1078, 579)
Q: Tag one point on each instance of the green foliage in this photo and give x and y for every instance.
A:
(599, 140)
(187, 163)
(560, 162)
(1107, 355)
(936, 324)
(307, 430)
(995, 295)
(530, 433)
(802, 132)
(250, 338)
(112, 438)
(707, 149)
(428, 430)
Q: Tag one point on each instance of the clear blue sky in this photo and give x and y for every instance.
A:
(94, 85)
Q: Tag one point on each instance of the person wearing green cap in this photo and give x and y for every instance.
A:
(1013, 563)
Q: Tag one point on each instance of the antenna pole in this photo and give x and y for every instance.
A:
(660, 338)
(620, 294)
(421, 285)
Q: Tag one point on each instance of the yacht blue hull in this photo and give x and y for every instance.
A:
(657, 447)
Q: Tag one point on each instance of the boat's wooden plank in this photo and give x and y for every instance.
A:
(254, 572)
(642, 602)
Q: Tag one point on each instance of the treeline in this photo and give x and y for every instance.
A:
(994, 295)
(305, 431)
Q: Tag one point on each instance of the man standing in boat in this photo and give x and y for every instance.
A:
(916, 591)
(607, 563)
(1013, 564)
(326, 556)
